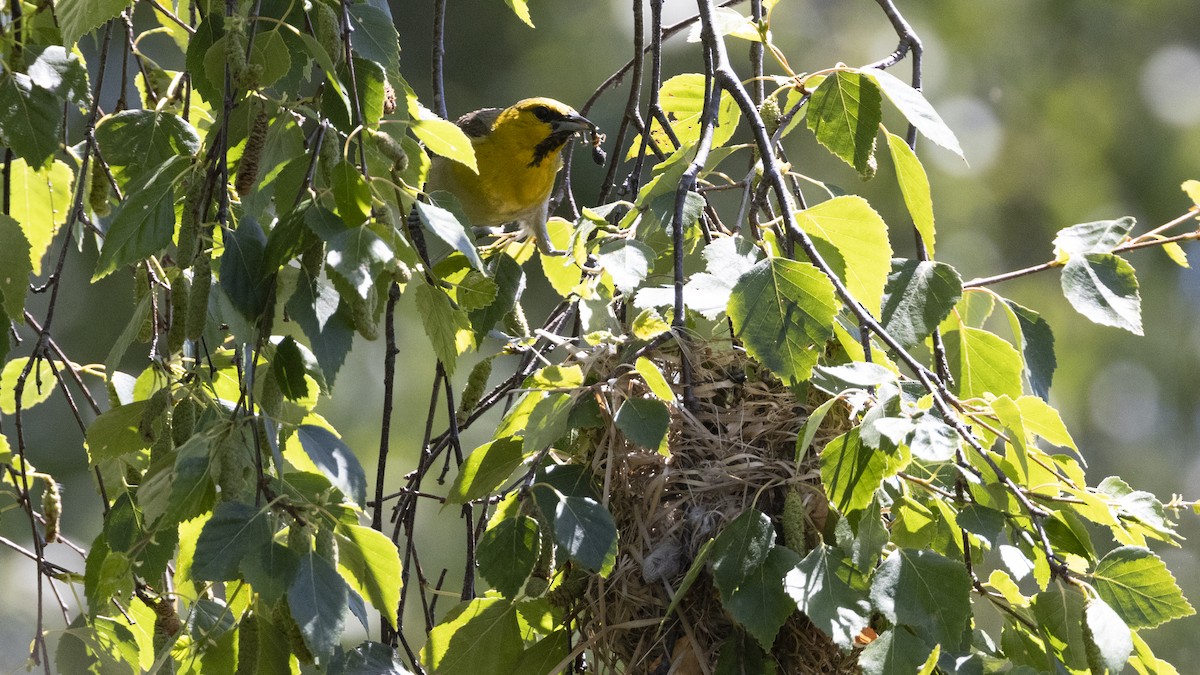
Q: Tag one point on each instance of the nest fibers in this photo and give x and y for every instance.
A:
(734, 450)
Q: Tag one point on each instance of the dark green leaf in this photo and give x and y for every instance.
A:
(335, 459)
(351, 193)
(374, 37)
(15, 268)
(315, 307)
(115, 432)
(545, 653)
(373, 564)
(145, 222)
(819, 588)
(844, 113)
(926, 591)
(895, 651)
(270, 570)
(507, 553)
(760, 603)
(783, 310)
(192, 488)
(548, 422)
(244, 278)
(510, 283)
(582, 527)
(207, 33)
(1104, 288)
(1037, 346)
(982, 362)
(355, 254)
(481, 637)
(59, 71)
(851, 471)
(447, 327)
(486, 469)
(644, 421)
(369, 658)
(288, 367)
(30, 118)
(741, 547)
(234, 530)
(1101, 236)
(1140, 589)
(139, 140)
(918, 297)
(317, 599)
(742, 656)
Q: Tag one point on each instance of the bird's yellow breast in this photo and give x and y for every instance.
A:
(509, 184)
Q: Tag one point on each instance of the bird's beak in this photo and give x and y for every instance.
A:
(573, 123)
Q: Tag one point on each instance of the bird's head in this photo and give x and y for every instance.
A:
(543, 123)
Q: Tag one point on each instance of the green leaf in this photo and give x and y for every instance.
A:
(507, 553)
(914, 185)
(192, 487)
(145, 222)
(983, 362)
(740, 548)
(355, 254)
(1109, 641)
(448, 328)
(270, 570)
(1036, 341)
(1101, 236)
(40, 202)
(644, 421)
(60, 71)
(15, 268)
(445, 226)
(933, 440)
(335, 459)
(521, 9)
(628, 261)
(682, 99)
(548, 421)
(373, 564)
(844, 113)
(234, 530)
(1140, 589)
(818, 586)
(1059, 613)
(583, 528)
(351, 193)
(317, 309)
(926, 591)
(140, 140)
(851, 471)
(486, 469)
(481, 637)
(783, 310)
(1104, 288)
(244, 278)
(115, 432)
(918, 296)
(895, 651)
(77, 18)
(373, 36)
(912, 104)
(39, 384)
(444, 139)
(288, 368)
(32, 118)
(854, 239)
(369, 658)
(653, 377)
(760, 603)
(317, 599)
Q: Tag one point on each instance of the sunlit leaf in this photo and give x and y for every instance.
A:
(1140, 589)
(40, 200)
(1104, 288)
(914, 185)
(916, 109)
(818, 586)
(844, 113)
(927, 591)
(854, 240)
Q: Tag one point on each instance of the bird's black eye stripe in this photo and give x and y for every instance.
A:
(545, 114)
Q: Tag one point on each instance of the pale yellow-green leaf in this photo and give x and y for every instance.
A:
(1192, 189)
(521, 9)
(649, 325)
(654, 379)
(563, 272)
(1042, 419)
(39, 384)
(41, 200)
(1176, 254)
(682, 99)
(444, 138)
(914, 185)
(854, 240)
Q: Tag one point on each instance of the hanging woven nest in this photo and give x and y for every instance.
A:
(734, 449)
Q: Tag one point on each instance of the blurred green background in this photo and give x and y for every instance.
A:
(1068, 112)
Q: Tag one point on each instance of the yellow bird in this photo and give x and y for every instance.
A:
(518, 152)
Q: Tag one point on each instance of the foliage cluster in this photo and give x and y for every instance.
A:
(265, 196)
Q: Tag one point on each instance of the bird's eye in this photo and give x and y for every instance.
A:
(542, 113)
